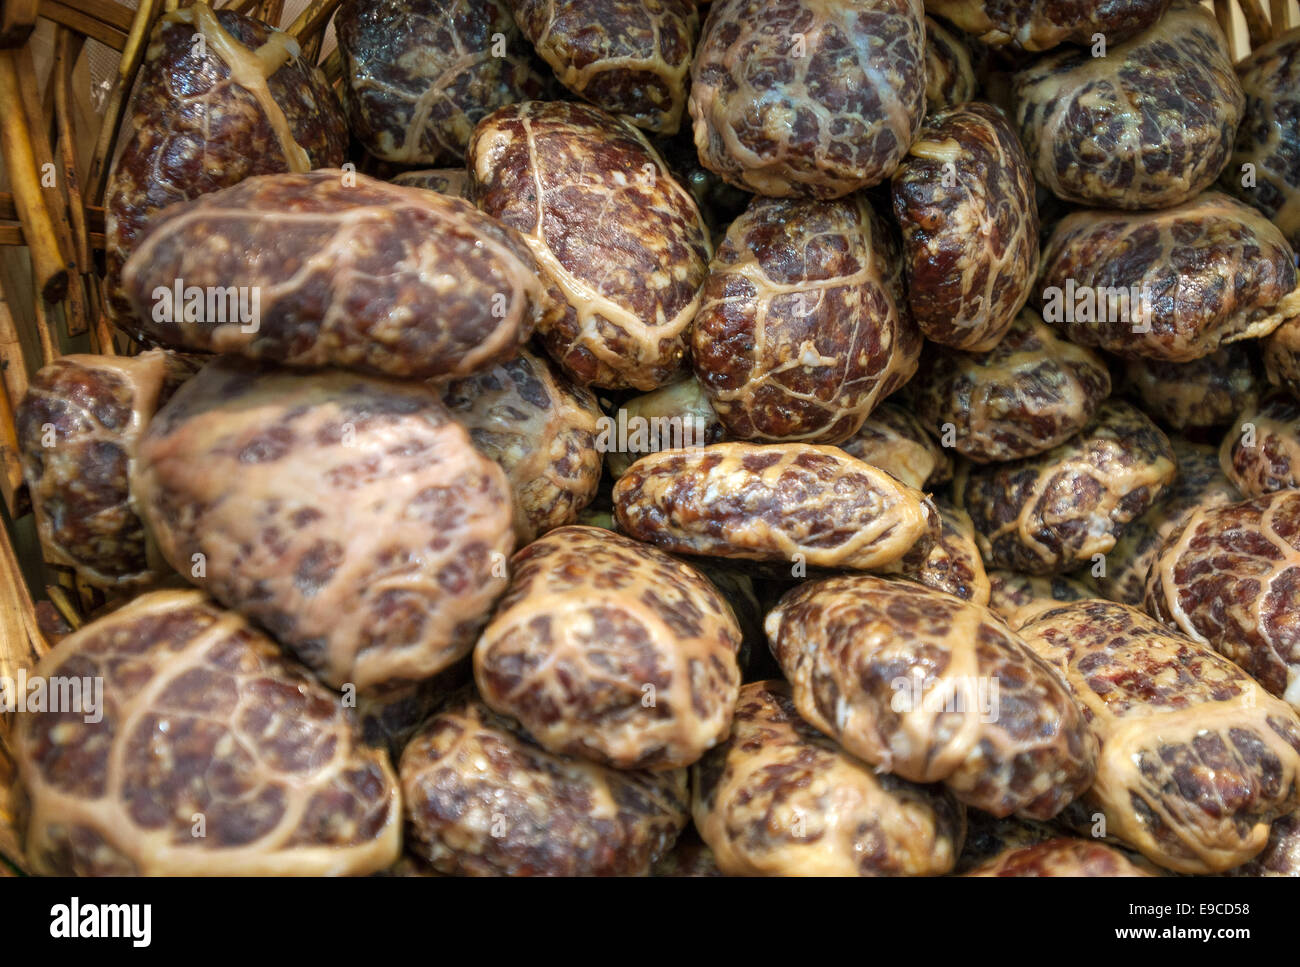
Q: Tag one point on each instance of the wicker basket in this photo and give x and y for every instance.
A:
(66, 72)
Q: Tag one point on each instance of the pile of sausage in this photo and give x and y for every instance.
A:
(964, 536)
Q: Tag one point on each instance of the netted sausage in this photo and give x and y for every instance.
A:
(1052, 513)
(803, 324)
(949, 72)
(778, 798)
(418, 75)
(542, 430)
(964, 197)
(1148, 125)
(611, 650)
(629, 57)
(1261, 452)
(333, 268)
(208, 753)
(1172, 285)
(621, 244)
(933, 689)
(1196, 760)
(1200, 483)
(1269, 137)
(782, 502)
(1030, 392)
(1204, 392)
(77, 429)
(953, 564)
(351, 517)
(1043, 24)
(1230, 578)
(206, 115)
(482, 799)
(805, 98)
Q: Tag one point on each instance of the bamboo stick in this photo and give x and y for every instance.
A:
(313, 20)
(48, 262)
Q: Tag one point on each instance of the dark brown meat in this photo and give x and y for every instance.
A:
(482, 799)
(964, 197)
(205, 116)
(419, 74)
(209, 754)
(349, 516)
(808, 98)
(803, 325)
(629, 57)
(621, 244)
(1148, 125)
(334, 268)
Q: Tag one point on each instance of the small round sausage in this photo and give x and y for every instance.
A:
(1261, 452)
(1269, 137)
(801, 98)
(1230, 578)
(1029, 393)
(1042, 24)
(1148, 125)
(1200, 483)
(542, 430)
(781, 502)
(205, 752)
(611, 650)
(622, 245)
(893, 439)
(77, 430)
(333, 268)
(351, 517)
(1064, 856)
(933, 689)
(1052, 513)
(964, 197)
(629, 57)
(803, 325)
(778, 798)
(1016, 597)
(949, 72)
(1204, 392)
(482, 799)
(1173, 285)
(1196, 760)
(418, 74)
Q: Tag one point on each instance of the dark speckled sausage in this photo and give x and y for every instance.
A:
(245, 103)
(808, 98)
(629, 57)
(482, 799)
(803, 326)
(347, 271)
(1043, 24)
(622, 244)
(214, 755)
(419, 74)
(77, 428)
(949, 73)
(964, 197)
(350, 516)
(1149, 125)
